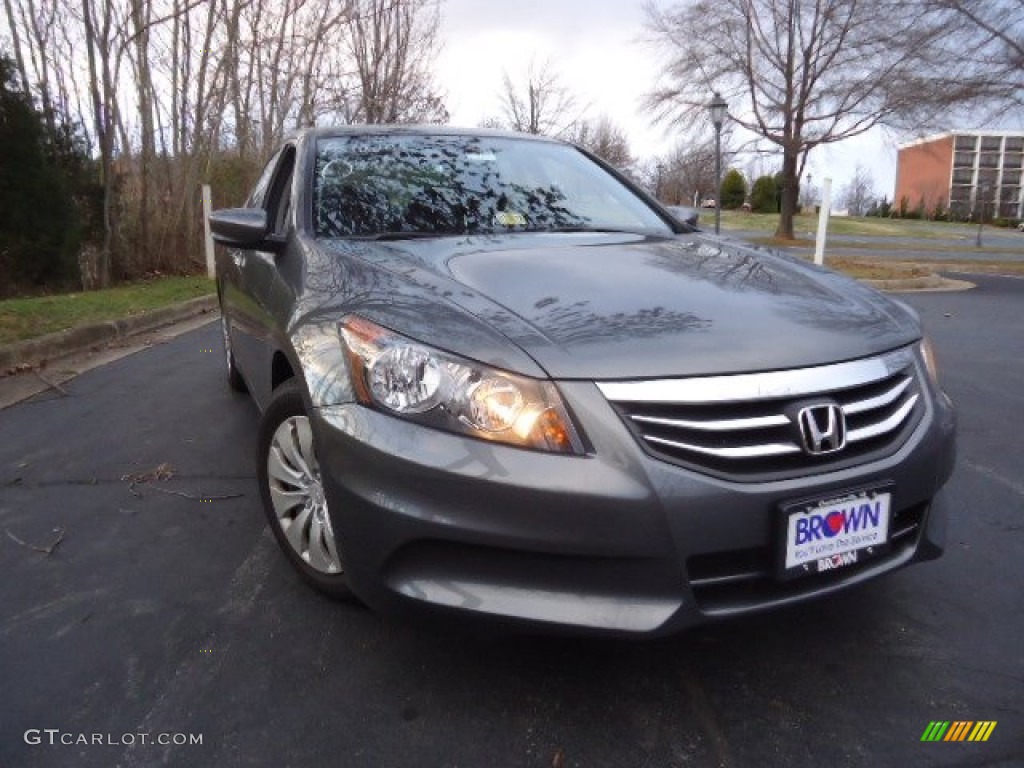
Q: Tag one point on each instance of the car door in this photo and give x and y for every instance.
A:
(234, 300)
(256, 324)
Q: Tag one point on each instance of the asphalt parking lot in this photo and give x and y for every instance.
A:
(165, 609)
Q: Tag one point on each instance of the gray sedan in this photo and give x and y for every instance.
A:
(498, 380)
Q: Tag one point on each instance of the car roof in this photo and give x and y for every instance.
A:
(416, 130)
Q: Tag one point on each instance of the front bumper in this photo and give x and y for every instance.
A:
(615, 541)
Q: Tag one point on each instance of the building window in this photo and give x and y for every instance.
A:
(988, 177)
(1008, 209)
(1014, 144)
(964, 143)
(1011, 178)
(1012, 160)
(989, 160)
(991, 143)
(963, 176)
(960, 209)
(963, 160)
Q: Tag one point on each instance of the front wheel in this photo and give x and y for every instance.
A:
(293, 492)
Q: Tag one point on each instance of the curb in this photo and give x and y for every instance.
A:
(927, 283)
(31, 352)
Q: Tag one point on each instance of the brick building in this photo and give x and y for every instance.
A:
(951, 169)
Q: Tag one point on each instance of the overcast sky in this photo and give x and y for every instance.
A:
(595, 46)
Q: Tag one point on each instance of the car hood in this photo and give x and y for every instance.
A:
(624, 306)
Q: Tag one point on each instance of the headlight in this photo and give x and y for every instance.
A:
(928, 353)
(436, 389)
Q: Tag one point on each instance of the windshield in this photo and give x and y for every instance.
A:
(440, 185)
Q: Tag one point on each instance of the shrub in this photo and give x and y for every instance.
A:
(40, 229)
(734, 190)
(764, 196)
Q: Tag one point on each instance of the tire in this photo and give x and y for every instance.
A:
(235, 380)
(293, 498)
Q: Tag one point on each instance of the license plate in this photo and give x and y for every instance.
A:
(834, 533)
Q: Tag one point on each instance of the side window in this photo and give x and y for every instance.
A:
(279, 200)
(260, 190)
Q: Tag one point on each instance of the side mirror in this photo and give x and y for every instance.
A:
(684, 214)
(239, 227)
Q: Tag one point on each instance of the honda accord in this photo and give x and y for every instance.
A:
(496, 378)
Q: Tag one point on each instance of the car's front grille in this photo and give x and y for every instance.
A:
(745, 427)
(724, 582)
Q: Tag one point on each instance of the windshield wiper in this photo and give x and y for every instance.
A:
(411, 235)
(421, 235)
(598, 230)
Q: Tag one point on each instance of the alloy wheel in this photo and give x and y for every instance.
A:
(297, 495)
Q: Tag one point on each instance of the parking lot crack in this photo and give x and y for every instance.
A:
(706, 716)
(47, 550)
(197, 672)
(991, 474)
(161, 473)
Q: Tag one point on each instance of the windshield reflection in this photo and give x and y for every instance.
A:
(395, 185)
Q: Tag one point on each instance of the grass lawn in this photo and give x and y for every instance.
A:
(888, 247)
(807, 224)
(877, 270)
(26, 318)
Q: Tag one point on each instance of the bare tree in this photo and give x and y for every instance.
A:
(605, 139)
(859, 192)
(19, 58)
(393, 44)
(801, 73)
(104, 57)
(37, 17)
(985, 46)
(492, 123)
(685, 173)
(539, 103)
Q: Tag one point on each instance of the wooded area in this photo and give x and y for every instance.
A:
(162, 95)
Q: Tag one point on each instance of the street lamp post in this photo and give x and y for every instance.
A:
(718, 109)
(981, 213)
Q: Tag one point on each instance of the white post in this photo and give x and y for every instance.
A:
(826, 204)
(207, 205)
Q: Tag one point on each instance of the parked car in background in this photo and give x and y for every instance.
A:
(709, 202)
(497, 379)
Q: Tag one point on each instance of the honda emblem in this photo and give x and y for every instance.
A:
(822, 428)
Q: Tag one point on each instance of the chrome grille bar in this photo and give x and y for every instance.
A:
(719, 425)
(738, 452)
(746, 423)
(758, 386)
(882, 427)
(873, 403)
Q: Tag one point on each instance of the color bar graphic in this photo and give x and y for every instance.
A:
(958, 730)
(982, 730)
